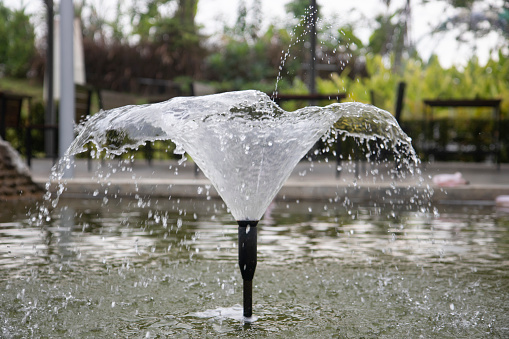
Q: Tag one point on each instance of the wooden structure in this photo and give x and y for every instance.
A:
(278, 98)
(83, 99)
(10, 112)
(432, 147)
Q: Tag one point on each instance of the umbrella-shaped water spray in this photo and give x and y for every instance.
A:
(242, 141)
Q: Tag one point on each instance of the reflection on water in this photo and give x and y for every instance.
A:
(160, 268)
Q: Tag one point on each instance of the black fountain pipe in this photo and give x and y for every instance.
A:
(247, 260)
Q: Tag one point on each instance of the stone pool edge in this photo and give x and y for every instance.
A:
(292, 190)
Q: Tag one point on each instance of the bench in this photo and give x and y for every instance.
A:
(432, 147)
(278, 98)
(10, 112)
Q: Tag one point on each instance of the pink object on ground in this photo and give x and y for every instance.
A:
(449, 180)
(502, 201)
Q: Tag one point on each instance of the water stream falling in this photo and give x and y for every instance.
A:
(242, 141)
(331, 268)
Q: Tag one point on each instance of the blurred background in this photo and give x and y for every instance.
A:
(442, 67)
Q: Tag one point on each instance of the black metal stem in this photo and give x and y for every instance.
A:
(247, 260)
(248, 298)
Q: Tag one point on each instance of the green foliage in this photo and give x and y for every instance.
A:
(241, 60)
(147, 18)
(465, 127)
(300, 8)
(462, 3)
(162, 42)
(247, 27)
(5, 13)
(17, 41)
(381, 38)
(430, 80)
(424, 81)
(347, 35)
(472, 19)
(154, 24)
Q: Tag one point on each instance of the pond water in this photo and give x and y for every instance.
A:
(141, 268)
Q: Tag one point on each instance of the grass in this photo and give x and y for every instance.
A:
(22, 86)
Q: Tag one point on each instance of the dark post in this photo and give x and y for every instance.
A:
(399, 101)
(312, 39)
(247, 260)
(49, 137)
(399, 109)
(3, 111)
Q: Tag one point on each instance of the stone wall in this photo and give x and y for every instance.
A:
(15, 179)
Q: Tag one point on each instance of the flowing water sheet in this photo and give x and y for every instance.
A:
(242, 141)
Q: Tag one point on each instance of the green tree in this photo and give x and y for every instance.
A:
(300, 8)
(17, 41)
(247, 63)
(154, 22)
(478, 18)
(248, 23)
(160, 41)
(5, 14)
(391, 35)
(245, 57)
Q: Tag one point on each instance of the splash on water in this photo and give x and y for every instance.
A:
(242, 141)
(234, 312)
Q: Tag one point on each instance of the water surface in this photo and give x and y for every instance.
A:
(137, 268)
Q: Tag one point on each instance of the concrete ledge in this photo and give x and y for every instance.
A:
(202, 188)
(315, 181)
(470, 192)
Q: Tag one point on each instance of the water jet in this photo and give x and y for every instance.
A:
(244, 143)
(337, 264)
(159, 267)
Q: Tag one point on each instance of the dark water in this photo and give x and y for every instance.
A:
(144, 269)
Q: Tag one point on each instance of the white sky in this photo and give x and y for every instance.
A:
(363, 12)
(212, 13)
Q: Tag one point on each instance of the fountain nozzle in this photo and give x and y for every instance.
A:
(247, 260)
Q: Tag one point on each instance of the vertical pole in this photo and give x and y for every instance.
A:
(247, 260)
(312, 39)
(497, 135)
(49, 137)
(65, 123)
(399, 101)
(3, 111)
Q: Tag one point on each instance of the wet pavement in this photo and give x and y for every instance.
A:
(309, 180)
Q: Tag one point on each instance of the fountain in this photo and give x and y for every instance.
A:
(159, 267)
(243, 142)
(110, 266)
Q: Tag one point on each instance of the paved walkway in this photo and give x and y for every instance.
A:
(316, 180)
